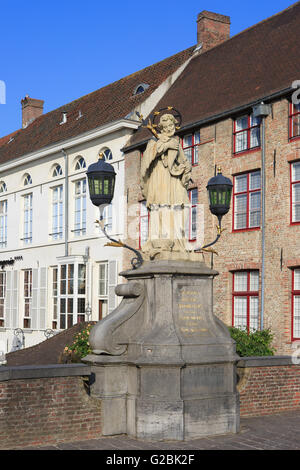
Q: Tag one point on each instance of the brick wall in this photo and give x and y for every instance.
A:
(42, 409)
(243, 249)
(268, 386)
(49, 404)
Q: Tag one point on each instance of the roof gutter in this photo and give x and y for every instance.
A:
(217, 117)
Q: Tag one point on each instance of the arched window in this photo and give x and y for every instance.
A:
(3, 187)
(57, 171)
(80, 164)
(107, 154)
(27, 180)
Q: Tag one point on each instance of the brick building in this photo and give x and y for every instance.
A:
(217, 95)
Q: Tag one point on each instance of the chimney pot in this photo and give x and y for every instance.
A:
(31, 109)
(212, 29)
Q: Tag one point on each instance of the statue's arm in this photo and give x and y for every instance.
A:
(162, 146)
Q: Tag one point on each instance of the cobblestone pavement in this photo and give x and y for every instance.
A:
(276, 432)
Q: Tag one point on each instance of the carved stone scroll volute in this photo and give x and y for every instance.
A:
(108, 337)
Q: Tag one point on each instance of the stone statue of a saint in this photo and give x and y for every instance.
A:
(165, 175)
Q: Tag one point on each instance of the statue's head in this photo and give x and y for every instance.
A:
(167, 124)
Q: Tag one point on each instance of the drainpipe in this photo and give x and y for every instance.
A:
(262, 111)
(66, 192)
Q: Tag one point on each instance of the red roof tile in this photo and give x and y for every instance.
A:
(108, 104)
(254, 64)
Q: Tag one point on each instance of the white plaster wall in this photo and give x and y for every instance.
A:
(43, 252)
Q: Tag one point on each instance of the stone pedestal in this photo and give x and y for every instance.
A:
(164, 365)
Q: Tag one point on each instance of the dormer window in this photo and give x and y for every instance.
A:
(64, 118)
(140, 88)
(57, 171)
(27, 180)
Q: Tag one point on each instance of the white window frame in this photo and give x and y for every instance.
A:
(80, 208)
(3, 223)
(2, 298)
(27, 299)
(103, 286)
(71, 295)
(57, 207)
(27, 218)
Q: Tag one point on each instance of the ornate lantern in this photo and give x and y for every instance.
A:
(219, 193)
(101, 180)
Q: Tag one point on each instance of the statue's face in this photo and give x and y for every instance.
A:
(168, 128)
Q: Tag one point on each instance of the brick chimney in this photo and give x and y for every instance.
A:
(31, 109)
(212, 29)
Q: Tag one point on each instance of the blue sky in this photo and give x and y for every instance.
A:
(60, 50)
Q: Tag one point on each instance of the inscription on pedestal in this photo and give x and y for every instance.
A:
(190, 311)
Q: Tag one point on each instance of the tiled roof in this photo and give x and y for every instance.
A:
(254, 64)
(108, 104)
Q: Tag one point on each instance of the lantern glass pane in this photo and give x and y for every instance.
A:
(98, 186)
(221, 197)
(106, 186)
(228, 197)
(91, 185)
(213, 196)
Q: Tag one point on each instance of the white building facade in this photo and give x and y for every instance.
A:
(55, 267)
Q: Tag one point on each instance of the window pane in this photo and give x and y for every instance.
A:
(295, 125)
(240, 281)
(188, 140)
(240, 312)
(241, 123)
(254, 180)
(254, 214)
(253, 313)
(241, 141)
(70, 305)
(194, 196)
(296, 171)
(240, 209)
(297, 279)
(254, 281)
(188, 153)
(62, 305)
(108, 217)
(240, 183)
(81, 279)
(296, 317)
(81, 306)
(254, 121)
(296, 203)
(103, 279)
(255, 137)
(197, 137)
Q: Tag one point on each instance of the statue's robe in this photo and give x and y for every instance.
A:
(165, 173)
